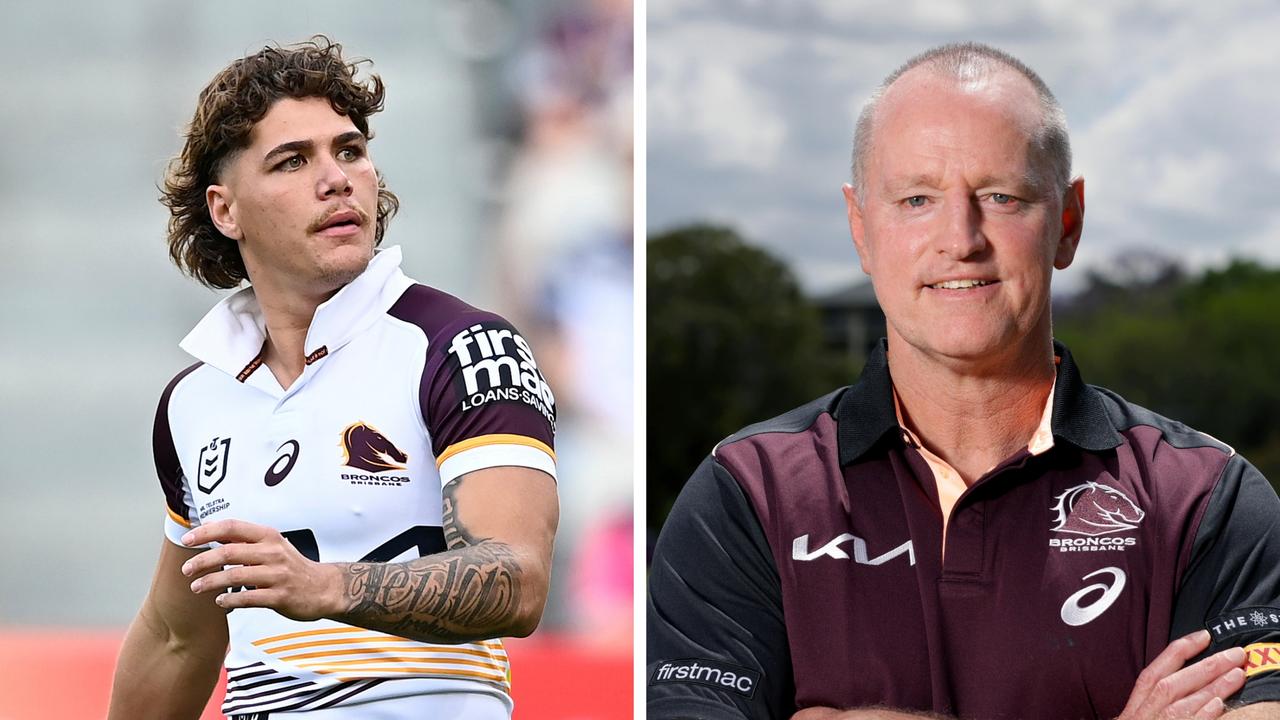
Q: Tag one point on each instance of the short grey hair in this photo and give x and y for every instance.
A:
(971, 61)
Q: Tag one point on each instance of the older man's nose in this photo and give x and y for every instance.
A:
(961, 236)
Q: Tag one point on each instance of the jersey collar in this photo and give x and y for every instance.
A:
(866, 411)
(230, 337)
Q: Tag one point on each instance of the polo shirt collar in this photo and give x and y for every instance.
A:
(230, 337)
(866, 411)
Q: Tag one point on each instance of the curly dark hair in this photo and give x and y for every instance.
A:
(226, 111)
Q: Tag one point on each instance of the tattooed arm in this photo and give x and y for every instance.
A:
(499, 524)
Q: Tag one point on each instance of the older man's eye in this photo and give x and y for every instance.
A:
(1001, 198)
(916, 201)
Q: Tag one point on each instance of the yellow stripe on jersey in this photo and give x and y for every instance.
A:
(496, 439)
(423, 660)
(309, 633)
(423, 649)
(436, 672)
(338, 641)
(178, 518)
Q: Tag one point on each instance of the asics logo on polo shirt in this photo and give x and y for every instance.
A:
(1095, 509)
(800, 550)
(277, 472)
(497, 364)
(1075, 614)
(213, 464)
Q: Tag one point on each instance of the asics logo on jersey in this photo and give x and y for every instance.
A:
(800, 551)
(497, 364)
(1075, 614)
(1095, 509)
(369, 450)
(211, 468)
(276, 473)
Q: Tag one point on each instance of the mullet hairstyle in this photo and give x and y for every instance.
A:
(226, 111)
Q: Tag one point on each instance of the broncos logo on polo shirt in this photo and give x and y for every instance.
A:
(369, 450)
(1095, 509)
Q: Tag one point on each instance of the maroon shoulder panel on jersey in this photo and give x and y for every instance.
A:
(480, 376)
(168, 467)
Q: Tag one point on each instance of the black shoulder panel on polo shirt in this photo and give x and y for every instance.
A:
(792, 421)
(717, 639)
(1125, 415)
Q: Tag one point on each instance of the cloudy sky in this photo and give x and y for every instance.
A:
(1173, 113)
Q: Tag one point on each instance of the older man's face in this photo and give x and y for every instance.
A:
(961, 225)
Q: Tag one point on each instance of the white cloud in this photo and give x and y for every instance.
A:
(701, 95)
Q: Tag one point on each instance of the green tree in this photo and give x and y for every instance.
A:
(731, 341)
(1203, 350)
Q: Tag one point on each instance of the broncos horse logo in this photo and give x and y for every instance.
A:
(1095, 509)
(369, 450)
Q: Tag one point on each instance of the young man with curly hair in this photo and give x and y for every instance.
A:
(359, 469)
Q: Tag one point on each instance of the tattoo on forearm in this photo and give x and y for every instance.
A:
(455, 535)
(470, 591)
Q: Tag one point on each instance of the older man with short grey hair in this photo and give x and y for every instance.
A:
(970, 529)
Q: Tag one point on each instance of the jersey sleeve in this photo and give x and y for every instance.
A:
(484, 399)
(717, 641)
(1232, 583)
(181, 515)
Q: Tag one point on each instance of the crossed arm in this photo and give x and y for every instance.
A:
(499, 526)
(1165, 690)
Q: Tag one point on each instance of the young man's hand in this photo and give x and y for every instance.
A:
(272, 573)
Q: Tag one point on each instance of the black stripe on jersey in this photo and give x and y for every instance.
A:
(168, 467)
(314, 696)
(241, 688)
(272, 691)
(368, 684)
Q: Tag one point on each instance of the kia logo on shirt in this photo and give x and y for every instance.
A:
(800, 550)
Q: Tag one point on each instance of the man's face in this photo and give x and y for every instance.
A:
(961, 225)
(301, 199)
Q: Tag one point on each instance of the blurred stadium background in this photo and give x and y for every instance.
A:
(507, 136)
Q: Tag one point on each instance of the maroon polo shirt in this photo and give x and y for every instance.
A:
(802, 566)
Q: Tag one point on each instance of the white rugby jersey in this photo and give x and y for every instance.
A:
(405, 389)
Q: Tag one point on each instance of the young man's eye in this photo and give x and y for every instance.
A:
(349, 153)
(293, 162)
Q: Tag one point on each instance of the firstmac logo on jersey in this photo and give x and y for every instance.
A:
(1094, 511)
(720, 675)
(497, 365)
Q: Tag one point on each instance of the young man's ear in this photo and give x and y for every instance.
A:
(222, 211)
